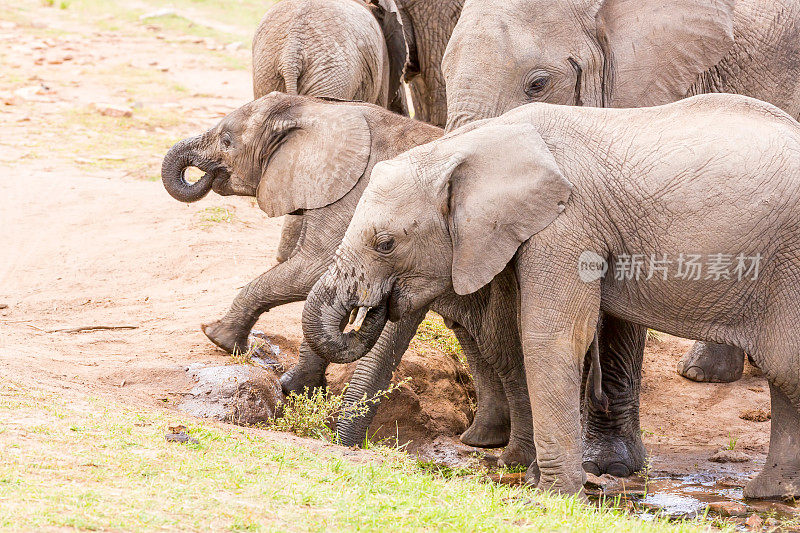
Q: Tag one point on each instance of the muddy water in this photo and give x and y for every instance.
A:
(694, 495)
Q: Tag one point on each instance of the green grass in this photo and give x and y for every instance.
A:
(219, 215)
(92, 464)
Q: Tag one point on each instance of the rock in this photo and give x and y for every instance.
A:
(754, 522)
(158, 13)
(729, 456)
(3, 306)
(33, 92)
(112, 110)
(232, 47)
(756, 415)
(593, 482)
(181, 438)
(730, 482)
(242, 394)
(508, 478)
(728, 508)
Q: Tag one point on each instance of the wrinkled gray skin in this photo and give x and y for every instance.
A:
(294, 152)
(623, 53)
(453, 214)
(348, 50)
(335, 49)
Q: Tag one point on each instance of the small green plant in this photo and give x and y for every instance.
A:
(732, 441)
(312, 413)
(654, 336)
(646, 472)
(216, 215)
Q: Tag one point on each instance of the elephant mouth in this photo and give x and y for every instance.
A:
(221, 179)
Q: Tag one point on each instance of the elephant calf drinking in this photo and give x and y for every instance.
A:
(546, 189)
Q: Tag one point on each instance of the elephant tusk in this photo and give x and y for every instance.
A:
(362, 313)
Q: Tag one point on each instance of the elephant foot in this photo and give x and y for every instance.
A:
(620, 456)
(518, 453)
(712, 363)
(299, 378)
(487, 434)
(774, 483)
(229, 337)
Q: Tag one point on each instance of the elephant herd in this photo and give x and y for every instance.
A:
(585, 187)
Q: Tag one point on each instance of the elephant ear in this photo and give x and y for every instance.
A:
(312, 157)
(658, 49)
(394, 33)
(497, 202)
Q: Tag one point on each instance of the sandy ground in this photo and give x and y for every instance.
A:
(87, 244)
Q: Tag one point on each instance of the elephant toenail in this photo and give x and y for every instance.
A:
(618, 470)
(591, 468)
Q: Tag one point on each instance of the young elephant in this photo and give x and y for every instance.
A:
(712, 180)
(299, 153)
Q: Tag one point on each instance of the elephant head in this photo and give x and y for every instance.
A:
(443, 216)
(290, 152)
(603, 53)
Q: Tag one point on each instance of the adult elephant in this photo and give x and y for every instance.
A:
(623, 53)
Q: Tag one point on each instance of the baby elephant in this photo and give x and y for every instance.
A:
(302, 154)
(693, 207)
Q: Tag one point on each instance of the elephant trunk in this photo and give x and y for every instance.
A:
(468, 106)
(325, 316)
(372, 375)
(183, 155)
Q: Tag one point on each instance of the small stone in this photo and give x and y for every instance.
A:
(756, 415)
(729, 508)
(729, 456)
(181, 438)
(730, 482)
(508, 478)
(754, 522)
(232, 47)
(593, 482)
(112, 110)
(3, 306)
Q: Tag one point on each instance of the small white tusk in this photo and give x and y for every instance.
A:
(362, 313)
(352, 316)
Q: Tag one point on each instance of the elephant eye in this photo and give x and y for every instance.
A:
(384, 244)
(226, 140)
(536, 83)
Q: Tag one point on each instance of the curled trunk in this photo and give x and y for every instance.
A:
(325, 317)
(183, 155)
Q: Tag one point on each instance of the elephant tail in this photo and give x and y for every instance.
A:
(291, 64)
(595, 385)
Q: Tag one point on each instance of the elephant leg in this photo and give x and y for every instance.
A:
(284, 283)
(712, 363)
(780, 477)
(308, 373)
(491, 427)
(612, 439)
(372, 375)
(290, 235)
